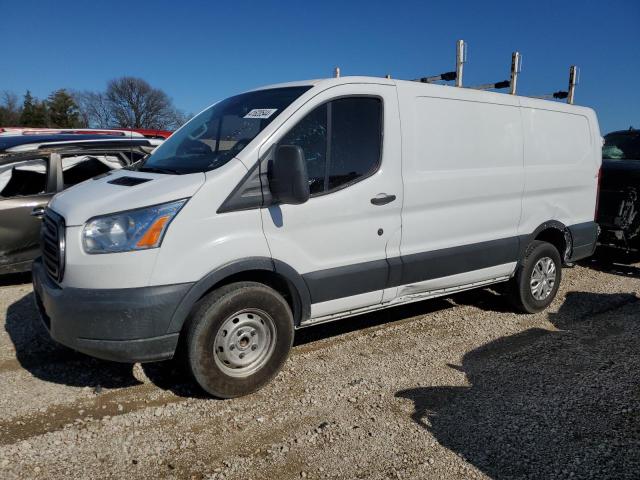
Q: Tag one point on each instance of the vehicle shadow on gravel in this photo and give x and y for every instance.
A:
(615, 262)
(548, 404)
(10, 279)
(171, 375)
(370, 320)
(51, 362)
(48, 361)
(491, 299)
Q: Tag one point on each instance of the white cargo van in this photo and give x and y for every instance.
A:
(313, 201)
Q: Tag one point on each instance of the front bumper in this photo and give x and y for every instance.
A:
(123, 325)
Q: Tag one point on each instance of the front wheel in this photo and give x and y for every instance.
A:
(238, 338)
(537, 278)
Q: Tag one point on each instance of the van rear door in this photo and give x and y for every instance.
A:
(339, 240)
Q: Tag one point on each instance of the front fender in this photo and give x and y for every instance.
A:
(206, 283)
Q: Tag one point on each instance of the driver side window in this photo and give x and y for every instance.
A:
(311, 135)
(341, 141)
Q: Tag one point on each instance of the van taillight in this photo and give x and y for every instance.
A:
(595, 214)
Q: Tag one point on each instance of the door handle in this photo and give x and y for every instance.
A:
(382, 199)
(37, 212)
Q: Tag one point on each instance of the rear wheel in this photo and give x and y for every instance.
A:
(238, 338)
(537, 278)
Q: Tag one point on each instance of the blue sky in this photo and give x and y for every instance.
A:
(202, 51)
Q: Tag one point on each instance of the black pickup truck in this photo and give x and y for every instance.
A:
(619, 211)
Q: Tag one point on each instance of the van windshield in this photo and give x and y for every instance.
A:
(218, 134)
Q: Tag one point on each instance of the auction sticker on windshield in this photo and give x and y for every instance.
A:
(261, 113)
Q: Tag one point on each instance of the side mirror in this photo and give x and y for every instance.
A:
(288, 177)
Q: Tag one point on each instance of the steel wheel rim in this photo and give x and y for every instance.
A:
(543, 278)
(244, 343)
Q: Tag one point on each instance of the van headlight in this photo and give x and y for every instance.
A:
(138, 229)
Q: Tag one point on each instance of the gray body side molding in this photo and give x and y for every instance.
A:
(339, 282)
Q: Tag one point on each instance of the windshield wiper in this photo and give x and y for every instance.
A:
(169, 171)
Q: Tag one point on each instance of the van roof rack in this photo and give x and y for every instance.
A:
(511, 84)
(461, 59)
(574, 78)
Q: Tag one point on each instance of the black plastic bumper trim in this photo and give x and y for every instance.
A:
(334, 283)
(585, 238)
(126, 325)
(130, 351)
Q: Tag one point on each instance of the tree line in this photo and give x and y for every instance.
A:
(127, 102)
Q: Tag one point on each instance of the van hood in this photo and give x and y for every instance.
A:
(122, 190)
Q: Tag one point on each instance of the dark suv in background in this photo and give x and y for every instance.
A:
(619, 211)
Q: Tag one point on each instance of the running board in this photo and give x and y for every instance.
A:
(414, 297)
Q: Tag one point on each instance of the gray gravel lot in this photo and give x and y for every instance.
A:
(459, 387)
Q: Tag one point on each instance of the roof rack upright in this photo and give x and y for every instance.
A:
(461, 58)
(512, 83)
(516, 68)
(574, 78)
(574, 75)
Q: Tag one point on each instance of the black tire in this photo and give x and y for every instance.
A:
(520, 292)
(214, 311)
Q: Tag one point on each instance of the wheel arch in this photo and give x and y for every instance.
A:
(274, 273)
(554, 232)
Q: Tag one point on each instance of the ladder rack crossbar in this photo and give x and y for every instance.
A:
(492, 86)
(445, 77)
(560, 95)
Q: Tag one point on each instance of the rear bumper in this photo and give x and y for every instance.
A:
(584, 238)
(123, 325)
(615, 237)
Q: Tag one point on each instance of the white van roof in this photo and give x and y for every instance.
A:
(446, 91)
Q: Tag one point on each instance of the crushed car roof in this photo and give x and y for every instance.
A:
(10, 142)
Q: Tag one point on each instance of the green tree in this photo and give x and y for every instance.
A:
(34, 112)
(63, 110)
(26, 118)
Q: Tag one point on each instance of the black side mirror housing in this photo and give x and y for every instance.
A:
(288, 177)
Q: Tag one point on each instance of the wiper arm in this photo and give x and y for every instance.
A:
(135, 165)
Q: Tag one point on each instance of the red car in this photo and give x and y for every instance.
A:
(148, 133)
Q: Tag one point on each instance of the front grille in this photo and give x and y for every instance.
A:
(53, 242)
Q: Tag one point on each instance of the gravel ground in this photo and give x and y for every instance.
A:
(458, 387)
